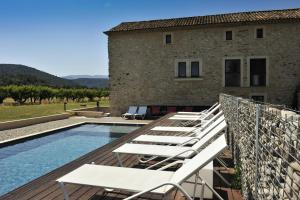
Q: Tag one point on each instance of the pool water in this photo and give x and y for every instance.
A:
(28, 160)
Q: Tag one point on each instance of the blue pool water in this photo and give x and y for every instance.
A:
(23, 162)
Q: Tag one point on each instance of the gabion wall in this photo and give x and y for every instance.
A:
(265, 141)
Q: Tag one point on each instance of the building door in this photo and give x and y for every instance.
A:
(258, 72)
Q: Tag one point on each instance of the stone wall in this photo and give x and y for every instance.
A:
(31, 121)
(142, 67)
(265, 141)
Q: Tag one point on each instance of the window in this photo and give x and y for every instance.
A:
(228, 35)
(195, 72)
(259, 33)
(168, 38)
(232, 72)
(188, 69)
(258, 69)
(259, 98)
(182, 69)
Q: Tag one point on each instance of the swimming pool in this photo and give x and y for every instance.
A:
(28, 160)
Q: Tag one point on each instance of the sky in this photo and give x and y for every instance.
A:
(65, 37)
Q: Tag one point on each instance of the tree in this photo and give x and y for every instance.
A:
(90, 94)
(45, 93)
(105, 92)
(34, 93)
(19, 93)
(3, 94)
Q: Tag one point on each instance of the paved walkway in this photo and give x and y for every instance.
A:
(11, 134)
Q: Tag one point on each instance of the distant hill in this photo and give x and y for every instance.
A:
(71, 77)
(12, 74)
(90, 81)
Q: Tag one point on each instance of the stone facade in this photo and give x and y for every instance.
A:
(142, 67)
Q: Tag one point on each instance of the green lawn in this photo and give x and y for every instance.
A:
(8, 113)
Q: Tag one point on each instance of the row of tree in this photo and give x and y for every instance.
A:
(34, 94)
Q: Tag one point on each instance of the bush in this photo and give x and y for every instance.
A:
(237, 176)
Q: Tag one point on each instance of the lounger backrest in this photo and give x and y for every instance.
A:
(201, 132)
(206, 138)
(142, 110)
(200, 160)
(132, 109)
(208, 122)
(211, 112)
(212, 107)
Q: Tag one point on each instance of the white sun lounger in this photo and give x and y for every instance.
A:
(173, 128)
(194, 118)
(199, 113)
(163, 150)
(141, 113)
(186, 116)
(142, 180)
(201, 126)
(130, 113)
(214, 129)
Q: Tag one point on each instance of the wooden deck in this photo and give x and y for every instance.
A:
(46, 187)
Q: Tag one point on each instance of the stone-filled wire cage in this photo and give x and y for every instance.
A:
(264, 140)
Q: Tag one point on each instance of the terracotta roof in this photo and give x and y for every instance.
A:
(269, 16)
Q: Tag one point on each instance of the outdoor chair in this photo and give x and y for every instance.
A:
(141, 113)
(202, 125)
(204, 116)
(188, 112)
(130, 113)
(144, 180)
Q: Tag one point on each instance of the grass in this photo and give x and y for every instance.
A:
(8, 113)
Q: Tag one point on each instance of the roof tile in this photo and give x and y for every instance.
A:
(241, 17)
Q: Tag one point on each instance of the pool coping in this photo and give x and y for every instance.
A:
(12, 141)
(19, 123)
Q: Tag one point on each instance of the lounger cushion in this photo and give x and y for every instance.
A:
(190, 113)
(130, 179)
(162, 139)
(186, 118)
(154, 150)
(173, 128)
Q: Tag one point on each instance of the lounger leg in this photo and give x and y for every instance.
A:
(222, 162)
(222, 178)
(202, 190)
(210, 187)
(66, 195)
(119, 160)
(195, 186)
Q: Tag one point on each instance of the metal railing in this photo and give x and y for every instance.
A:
(265, 141)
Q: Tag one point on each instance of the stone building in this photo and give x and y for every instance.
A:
(189, 61)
